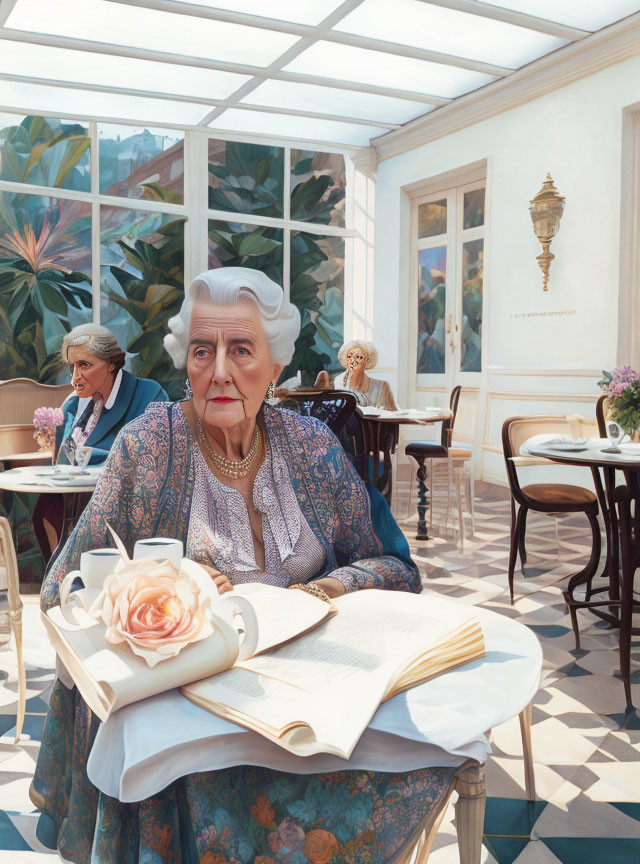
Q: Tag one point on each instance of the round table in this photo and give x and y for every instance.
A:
(605, 464)
(441, 722)
(40, 480)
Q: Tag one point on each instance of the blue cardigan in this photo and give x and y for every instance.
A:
(133, 397)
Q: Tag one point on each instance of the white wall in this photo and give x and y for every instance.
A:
(575, 133)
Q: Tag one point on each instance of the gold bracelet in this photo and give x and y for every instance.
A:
(314, 590)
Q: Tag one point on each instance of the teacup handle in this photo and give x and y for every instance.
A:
(231, 605)
(68, 601)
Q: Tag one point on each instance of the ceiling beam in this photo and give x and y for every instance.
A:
(6, 8)
(320, 31)
(294, 51)
(196, 100)
(509, 16)
(219, 65)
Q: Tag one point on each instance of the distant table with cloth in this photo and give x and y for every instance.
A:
(439, 723)
(48, 480)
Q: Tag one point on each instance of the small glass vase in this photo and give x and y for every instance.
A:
(45, 439)
(634, 435)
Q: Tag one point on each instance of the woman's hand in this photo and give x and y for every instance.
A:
(221, 581)
(332, 587)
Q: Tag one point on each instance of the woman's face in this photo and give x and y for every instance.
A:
(228, 363)
(89, 374)
(355, 359)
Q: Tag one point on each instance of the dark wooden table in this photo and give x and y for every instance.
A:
(603, 468)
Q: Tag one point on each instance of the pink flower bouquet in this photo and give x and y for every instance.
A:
(155, 608)
(47, 418)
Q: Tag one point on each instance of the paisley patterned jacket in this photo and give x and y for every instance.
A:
(147, 487)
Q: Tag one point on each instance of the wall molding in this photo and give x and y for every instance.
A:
(544, 373)
(542, 397)
(602, 49)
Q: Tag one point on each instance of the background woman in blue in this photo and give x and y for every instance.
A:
(106, 396)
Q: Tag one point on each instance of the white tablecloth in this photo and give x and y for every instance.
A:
(144, 747)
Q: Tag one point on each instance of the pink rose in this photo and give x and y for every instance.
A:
(150, 605)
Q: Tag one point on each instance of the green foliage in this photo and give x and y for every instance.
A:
(47, 153)
(625, 407)
(151, 298)
(34, 316)
(250, 181)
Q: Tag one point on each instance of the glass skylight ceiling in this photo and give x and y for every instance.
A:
(336, 71)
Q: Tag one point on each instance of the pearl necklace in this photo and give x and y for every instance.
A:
(230, 467)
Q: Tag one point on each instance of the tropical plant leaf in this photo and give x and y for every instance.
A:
(77, 147)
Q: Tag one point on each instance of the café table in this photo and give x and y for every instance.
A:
(381, 429)
(16, 460)
(442, 722)
(603, 468)
(50, 480)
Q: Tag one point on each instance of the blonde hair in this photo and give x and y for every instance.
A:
(100, 341)
(368, 349)
(227, 285)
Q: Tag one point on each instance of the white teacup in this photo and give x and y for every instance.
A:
(95, 566)
(160, 549)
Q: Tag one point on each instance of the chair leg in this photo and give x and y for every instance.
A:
(15, 616)
(470, 813)
(513, 550)
(521, 548)
(527, 752)
(457, 478)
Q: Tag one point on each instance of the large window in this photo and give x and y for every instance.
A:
(107, 241)
(449, 247)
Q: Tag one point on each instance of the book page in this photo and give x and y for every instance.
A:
(318, 693)
(282, 613)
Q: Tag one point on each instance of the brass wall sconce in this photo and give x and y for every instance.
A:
(546, 211)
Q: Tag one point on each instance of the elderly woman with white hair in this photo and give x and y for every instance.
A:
(357, 356)
(256, 493)
(106, 397)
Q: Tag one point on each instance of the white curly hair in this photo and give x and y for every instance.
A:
(227, 285)
(100, 341)
(368, 349)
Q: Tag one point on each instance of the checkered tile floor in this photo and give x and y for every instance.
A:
(587, 759)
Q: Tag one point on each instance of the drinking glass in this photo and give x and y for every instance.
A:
(81, 457)
(615, 434)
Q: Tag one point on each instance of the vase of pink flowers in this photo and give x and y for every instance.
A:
(622, 387)
(46, 420)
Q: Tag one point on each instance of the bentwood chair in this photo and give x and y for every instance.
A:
(9, 582)
(550, 498)
(422, 451)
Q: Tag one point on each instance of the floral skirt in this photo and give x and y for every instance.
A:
(241, 815)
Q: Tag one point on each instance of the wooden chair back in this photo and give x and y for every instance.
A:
(333, 407)
(601, 412)
(517, 430)
(17, 438)
(446, 433)
(20, 397)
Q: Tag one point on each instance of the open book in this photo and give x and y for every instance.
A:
(318, 693)
(111, 676)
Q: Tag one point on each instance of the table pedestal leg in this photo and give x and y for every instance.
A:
(423, 501)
